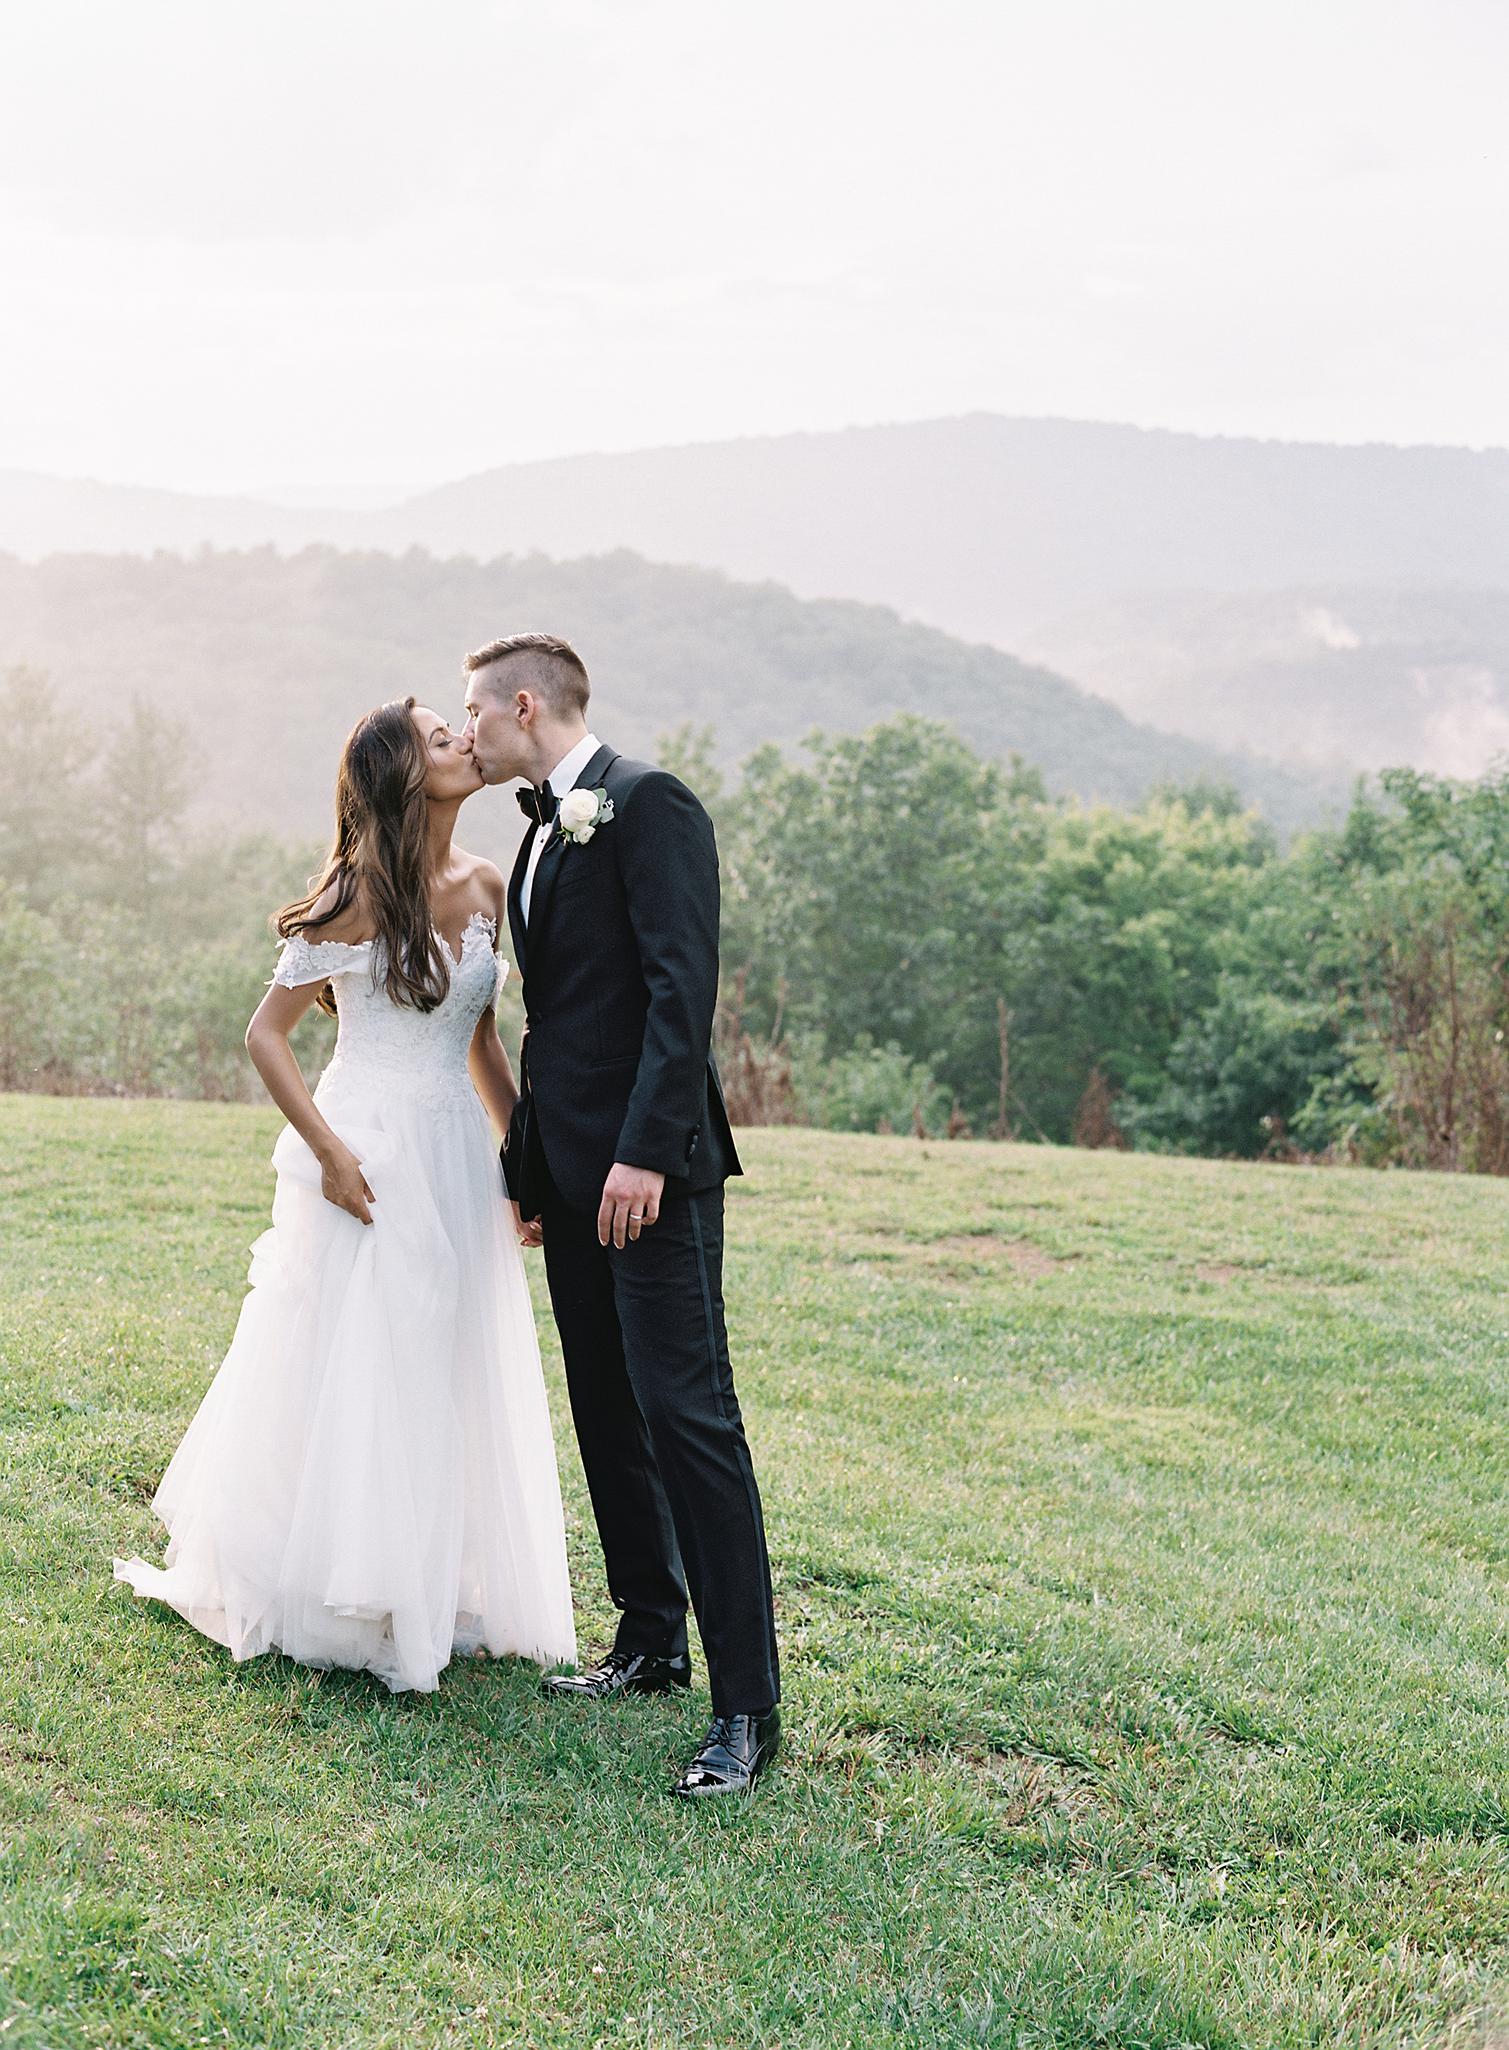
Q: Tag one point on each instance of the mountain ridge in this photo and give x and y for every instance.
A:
(269, 659)
(1083, 546)
(987, 525)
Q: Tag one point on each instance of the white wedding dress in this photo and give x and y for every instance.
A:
(370, 1480)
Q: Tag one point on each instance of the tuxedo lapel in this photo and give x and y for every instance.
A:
(516, 898)
(543, 888)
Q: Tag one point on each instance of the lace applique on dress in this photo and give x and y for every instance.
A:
(301, 960)
(395, 1046)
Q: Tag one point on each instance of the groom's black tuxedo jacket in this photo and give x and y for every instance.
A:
(619, 962)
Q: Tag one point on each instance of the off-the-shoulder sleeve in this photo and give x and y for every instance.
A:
(301, 961)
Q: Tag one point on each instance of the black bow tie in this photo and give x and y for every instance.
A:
(539, 803)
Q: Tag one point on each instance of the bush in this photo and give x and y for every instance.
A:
(869, 1088)
(1239, 1075)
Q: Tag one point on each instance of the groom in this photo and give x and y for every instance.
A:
(617, 1154)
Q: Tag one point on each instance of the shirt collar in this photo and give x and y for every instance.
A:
(563, 776)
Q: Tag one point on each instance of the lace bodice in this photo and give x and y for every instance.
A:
(396, 1045)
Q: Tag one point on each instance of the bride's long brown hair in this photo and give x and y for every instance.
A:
(381, 847)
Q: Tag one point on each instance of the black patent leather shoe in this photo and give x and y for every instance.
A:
(622, 1672)
(735, 1751)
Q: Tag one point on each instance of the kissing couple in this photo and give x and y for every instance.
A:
(370, 1479)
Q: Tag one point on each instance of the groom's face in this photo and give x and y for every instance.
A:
(492, 724)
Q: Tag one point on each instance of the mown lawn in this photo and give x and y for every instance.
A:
(1142, 1546)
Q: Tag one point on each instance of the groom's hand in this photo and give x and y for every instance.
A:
(631, 1200)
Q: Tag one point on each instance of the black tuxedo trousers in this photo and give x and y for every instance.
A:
(662, 1439)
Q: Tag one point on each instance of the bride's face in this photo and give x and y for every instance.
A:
(450, 766)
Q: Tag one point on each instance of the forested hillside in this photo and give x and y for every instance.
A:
(265, 661)
(1321, 605)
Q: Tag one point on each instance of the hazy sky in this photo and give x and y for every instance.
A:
(328, 247)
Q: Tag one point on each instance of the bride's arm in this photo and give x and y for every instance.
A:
(493, 1081)
(486, 1059)
(492, 1077)
(491, 1071)
(273, 1020)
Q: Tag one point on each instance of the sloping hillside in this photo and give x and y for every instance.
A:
(42, 515)
(268, 660)
(988, 527)
(985, 526)
(1182, 576)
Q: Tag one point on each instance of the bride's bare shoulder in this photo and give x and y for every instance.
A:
(353, 923)
(485, 878)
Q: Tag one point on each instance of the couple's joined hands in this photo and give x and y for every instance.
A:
(631, 1200)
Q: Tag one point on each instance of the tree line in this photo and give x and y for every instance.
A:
(915, 940)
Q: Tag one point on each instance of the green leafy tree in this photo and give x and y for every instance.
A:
(47, 844)
(31, 956)
(146, 782)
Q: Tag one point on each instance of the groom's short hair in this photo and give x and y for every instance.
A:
(543, 663)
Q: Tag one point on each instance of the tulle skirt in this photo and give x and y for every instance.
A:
(370, 1480)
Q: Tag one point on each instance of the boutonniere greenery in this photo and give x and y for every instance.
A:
(582, 812)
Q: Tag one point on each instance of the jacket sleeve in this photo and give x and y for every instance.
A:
(511, 1152)
(669, 864)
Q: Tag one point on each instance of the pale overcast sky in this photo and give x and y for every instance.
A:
(323, 247)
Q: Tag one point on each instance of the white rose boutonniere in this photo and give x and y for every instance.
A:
(582, 812)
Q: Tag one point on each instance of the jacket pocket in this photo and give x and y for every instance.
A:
(579, 865)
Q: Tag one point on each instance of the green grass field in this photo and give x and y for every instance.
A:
(1141, 1534)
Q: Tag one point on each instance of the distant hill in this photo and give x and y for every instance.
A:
(71, 515)
(268, 660)
(1118, 556)
(1330, 674)
(988, 527)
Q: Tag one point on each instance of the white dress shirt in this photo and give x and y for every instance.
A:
(561, 779)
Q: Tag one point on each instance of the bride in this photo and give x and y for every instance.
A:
(370, 1479)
